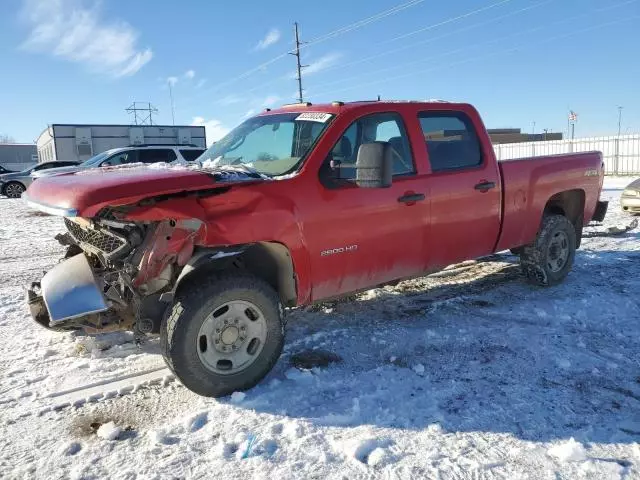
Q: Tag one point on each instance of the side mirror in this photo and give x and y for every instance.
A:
(374, 165)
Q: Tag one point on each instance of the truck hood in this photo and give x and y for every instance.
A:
(85, 192)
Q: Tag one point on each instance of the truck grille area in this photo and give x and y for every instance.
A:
(102, 240)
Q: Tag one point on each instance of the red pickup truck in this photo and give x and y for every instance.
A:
(294, 206)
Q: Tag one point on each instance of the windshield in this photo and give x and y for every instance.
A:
(271, 144)
(96, 159)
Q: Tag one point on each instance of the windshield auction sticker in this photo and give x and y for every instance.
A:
(313, 117)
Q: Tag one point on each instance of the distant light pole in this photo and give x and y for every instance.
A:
(619, 119)
(173, 115)
(545, 133)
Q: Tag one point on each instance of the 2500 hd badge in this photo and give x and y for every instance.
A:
(334, 251)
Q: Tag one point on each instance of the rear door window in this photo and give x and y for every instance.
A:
(191, 155)
(452, 142)
(129, 156)
(153, 155)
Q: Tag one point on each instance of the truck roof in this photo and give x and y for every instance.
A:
(341, 107)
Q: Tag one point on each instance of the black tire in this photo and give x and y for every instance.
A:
(13, 189)
(197, 301)
(539, 264)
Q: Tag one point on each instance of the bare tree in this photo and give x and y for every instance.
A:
(4, 138)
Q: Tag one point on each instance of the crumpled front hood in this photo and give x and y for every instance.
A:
(87, 191)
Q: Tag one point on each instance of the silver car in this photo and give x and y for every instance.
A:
(13, 185)
(630, 199)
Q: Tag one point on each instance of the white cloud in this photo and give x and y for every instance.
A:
(269, 39)
(201, 83)
(322, 63)
(172, 80)
(270, 100)
(69, 30)
(213, 128)
(189, 74)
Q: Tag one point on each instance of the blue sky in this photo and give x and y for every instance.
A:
(518, 61)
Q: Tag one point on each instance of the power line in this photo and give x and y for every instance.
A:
(482, 57)
(402, 7)
(449, 20)
(322, 38)
(366, 21)
(451, 52)
(429, 40)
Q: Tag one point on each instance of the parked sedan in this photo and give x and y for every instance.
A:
(13, 185)
(630, 199)
(4, 170)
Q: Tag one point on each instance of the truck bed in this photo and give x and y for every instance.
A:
(529, 183)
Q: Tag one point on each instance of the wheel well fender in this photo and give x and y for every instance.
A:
(569, 203)
(9, 182)
(270, 261)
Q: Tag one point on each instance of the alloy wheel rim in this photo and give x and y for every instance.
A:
(14, 190)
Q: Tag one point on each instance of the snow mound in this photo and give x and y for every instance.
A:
(419, 369)
(569, 451)
(195, 422)
(370, 451)
(379, 457)
(109, 431)
(69, 449)
(298, 375)
(238, 397)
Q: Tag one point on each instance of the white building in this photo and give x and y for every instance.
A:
(18, 156)
(81, 142)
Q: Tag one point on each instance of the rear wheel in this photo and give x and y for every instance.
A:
(549, 259)
(13, 190)
(224, 334)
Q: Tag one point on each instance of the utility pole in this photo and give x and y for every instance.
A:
(545, 133)
(142, 115)
(173, 116)
(619, 119)
(299, 65)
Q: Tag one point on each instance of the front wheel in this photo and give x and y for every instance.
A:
(13, 190)
(549, 259)
(224, 334)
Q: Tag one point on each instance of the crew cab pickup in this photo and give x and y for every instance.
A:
(294, 206)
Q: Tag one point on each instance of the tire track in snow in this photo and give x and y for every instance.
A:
(108, 388)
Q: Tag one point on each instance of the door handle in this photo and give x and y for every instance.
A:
(411, 197)
(485, 186)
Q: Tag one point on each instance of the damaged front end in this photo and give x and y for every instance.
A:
(113, 274)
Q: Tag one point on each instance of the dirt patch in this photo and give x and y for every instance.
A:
(86, 425)
(314, 358)
(37, 213)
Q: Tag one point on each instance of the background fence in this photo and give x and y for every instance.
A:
(621, 154)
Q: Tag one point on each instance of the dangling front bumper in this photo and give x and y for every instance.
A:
(68, 291)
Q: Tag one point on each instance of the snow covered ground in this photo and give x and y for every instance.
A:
(469, 373)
